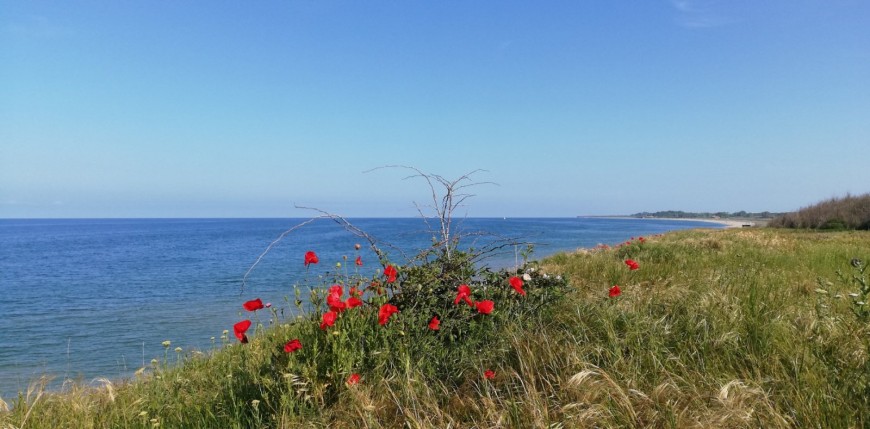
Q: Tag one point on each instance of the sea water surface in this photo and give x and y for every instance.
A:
(88, 298)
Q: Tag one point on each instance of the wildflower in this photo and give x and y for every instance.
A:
(328, 319)
(489, 374)
(485, 306)
(390, 272)
(166, 343)
(353, 302)
(355, 292)
(268, 305)
(178, 350)
(632, 265)
(292, 346)
(239, 330)
(356, 246)
(311, 258)
(641, 239)
(333, 300)
(464, 294)
(255, 403)
(253, 305)
(353, 379)
(615, 291)
(517, 284)
(527, 277)
(338, 265)
(434, 323)
(358, 261)
(385, 312)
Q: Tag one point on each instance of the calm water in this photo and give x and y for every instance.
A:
(95, 298)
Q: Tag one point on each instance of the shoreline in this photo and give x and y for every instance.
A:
(726, 223)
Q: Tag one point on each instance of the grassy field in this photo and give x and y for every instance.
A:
(725, 328)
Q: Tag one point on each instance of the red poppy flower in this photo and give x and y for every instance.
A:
(240, 328)
(253, 305)
(355, 292)
(517, 284)
(390, 272)
(485, 306)
(336, 290)
(311, 258)
(353, 379)
(489, 374)
(358, 261)
(328, 319)
(615, 291)
(631, 264)
(292, 346)
(335, 303)
(434, 323)
(385, 312)
(463, 294)
(641, 239)
(353, 302)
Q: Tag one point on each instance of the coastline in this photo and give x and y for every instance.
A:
(726, 223)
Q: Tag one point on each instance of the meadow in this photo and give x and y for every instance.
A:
(725, 328)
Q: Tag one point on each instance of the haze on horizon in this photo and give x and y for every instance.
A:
(198, 109)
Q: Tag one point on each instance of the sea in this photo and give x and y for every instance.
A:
(82, 299)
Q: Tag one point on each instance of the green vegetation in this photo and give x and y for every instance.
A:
(726, 328)
(678, 214)
(849, 212)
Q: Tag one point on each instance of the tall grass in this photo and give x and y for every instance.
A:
(727, 328)
(849, 212)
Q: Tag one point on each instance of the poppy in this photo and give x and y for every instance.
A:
(463, 294)
(434, 323)
(353, 379)
(253, 305)
(292, 346)
(385, 312)
(311, 258)
(390, 272)
(239, 330)
(485, 306)
(328, 319)
(353, 302)
(631, 264)
(359, 261)
(355, 292)
(336, 290)
(517, 284)
(489, 374)
(335, 303)
(615, 291)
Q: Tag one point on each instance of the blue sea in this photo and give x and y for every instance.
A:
(88, 298)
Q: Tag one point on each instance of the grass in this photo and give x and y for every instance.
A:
(726, 328)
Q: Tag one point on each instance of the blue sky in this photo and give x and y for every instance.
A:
(226, 109)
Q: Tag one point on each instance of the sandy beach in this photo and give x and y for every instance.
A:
(727, 223)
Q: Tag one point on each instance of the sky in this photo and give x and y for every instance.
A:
(249, 109)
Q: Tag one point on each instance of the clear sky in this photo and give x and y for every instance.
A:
(226, 109)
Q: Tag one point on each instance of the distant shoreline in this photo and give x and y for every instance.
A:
(727, 223)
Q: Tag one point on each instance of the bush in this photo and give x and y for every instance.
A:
(849, 212)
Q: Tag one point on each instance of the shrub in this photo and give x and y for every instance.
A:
(849, 212)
